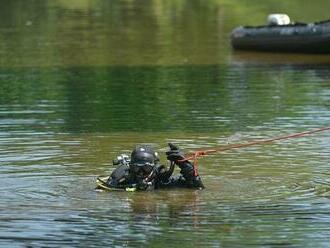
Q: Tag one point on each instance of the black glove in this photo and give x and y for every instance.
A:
(196, 182)
(174, 154)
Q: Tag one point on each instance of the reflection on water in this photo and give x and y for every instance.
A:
(261, 58)
(203, 98)
(145, 32)
(61, 33)
(81, 81)
(57, 137)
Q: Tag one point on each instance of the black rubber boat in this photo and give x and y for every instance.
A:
(292, 37)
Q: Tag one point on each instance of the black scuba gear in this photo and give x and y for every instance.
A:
(119, 176)
(143, 161)
(141, 168)
(174, 154)
(144, 154)
(145, 172)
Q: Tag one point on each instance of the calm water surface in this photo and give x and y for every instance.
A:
(81, 81)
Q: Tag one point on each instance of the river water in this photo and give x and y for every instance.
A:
(83, 81)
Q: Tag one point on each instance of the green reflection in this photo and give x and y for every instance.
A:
(190, 98)
(147, 32)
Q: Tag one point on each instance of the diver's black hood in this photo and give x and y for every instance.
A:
(143, 154)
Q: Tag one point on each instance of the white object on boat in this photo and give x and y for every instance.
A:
(278, 19)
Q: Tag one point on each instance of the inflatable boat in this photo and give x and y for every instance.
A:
(280, 35)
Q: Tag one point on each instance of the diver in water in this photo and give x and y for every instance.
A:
(143, 171)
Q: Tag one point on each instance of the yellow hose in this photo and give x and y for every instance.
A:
(101, 183)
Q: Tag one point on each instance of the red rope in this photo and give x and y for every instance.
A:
(196, 154)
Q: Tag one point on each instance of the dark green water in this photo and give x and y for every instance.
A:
(81, 81)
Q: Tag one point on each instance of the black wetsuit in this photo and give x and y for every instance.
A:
(158, 178)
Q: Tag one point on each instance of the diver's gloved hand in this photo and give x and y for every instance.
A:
(174, 154)
(196, 182)
(191, 176)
